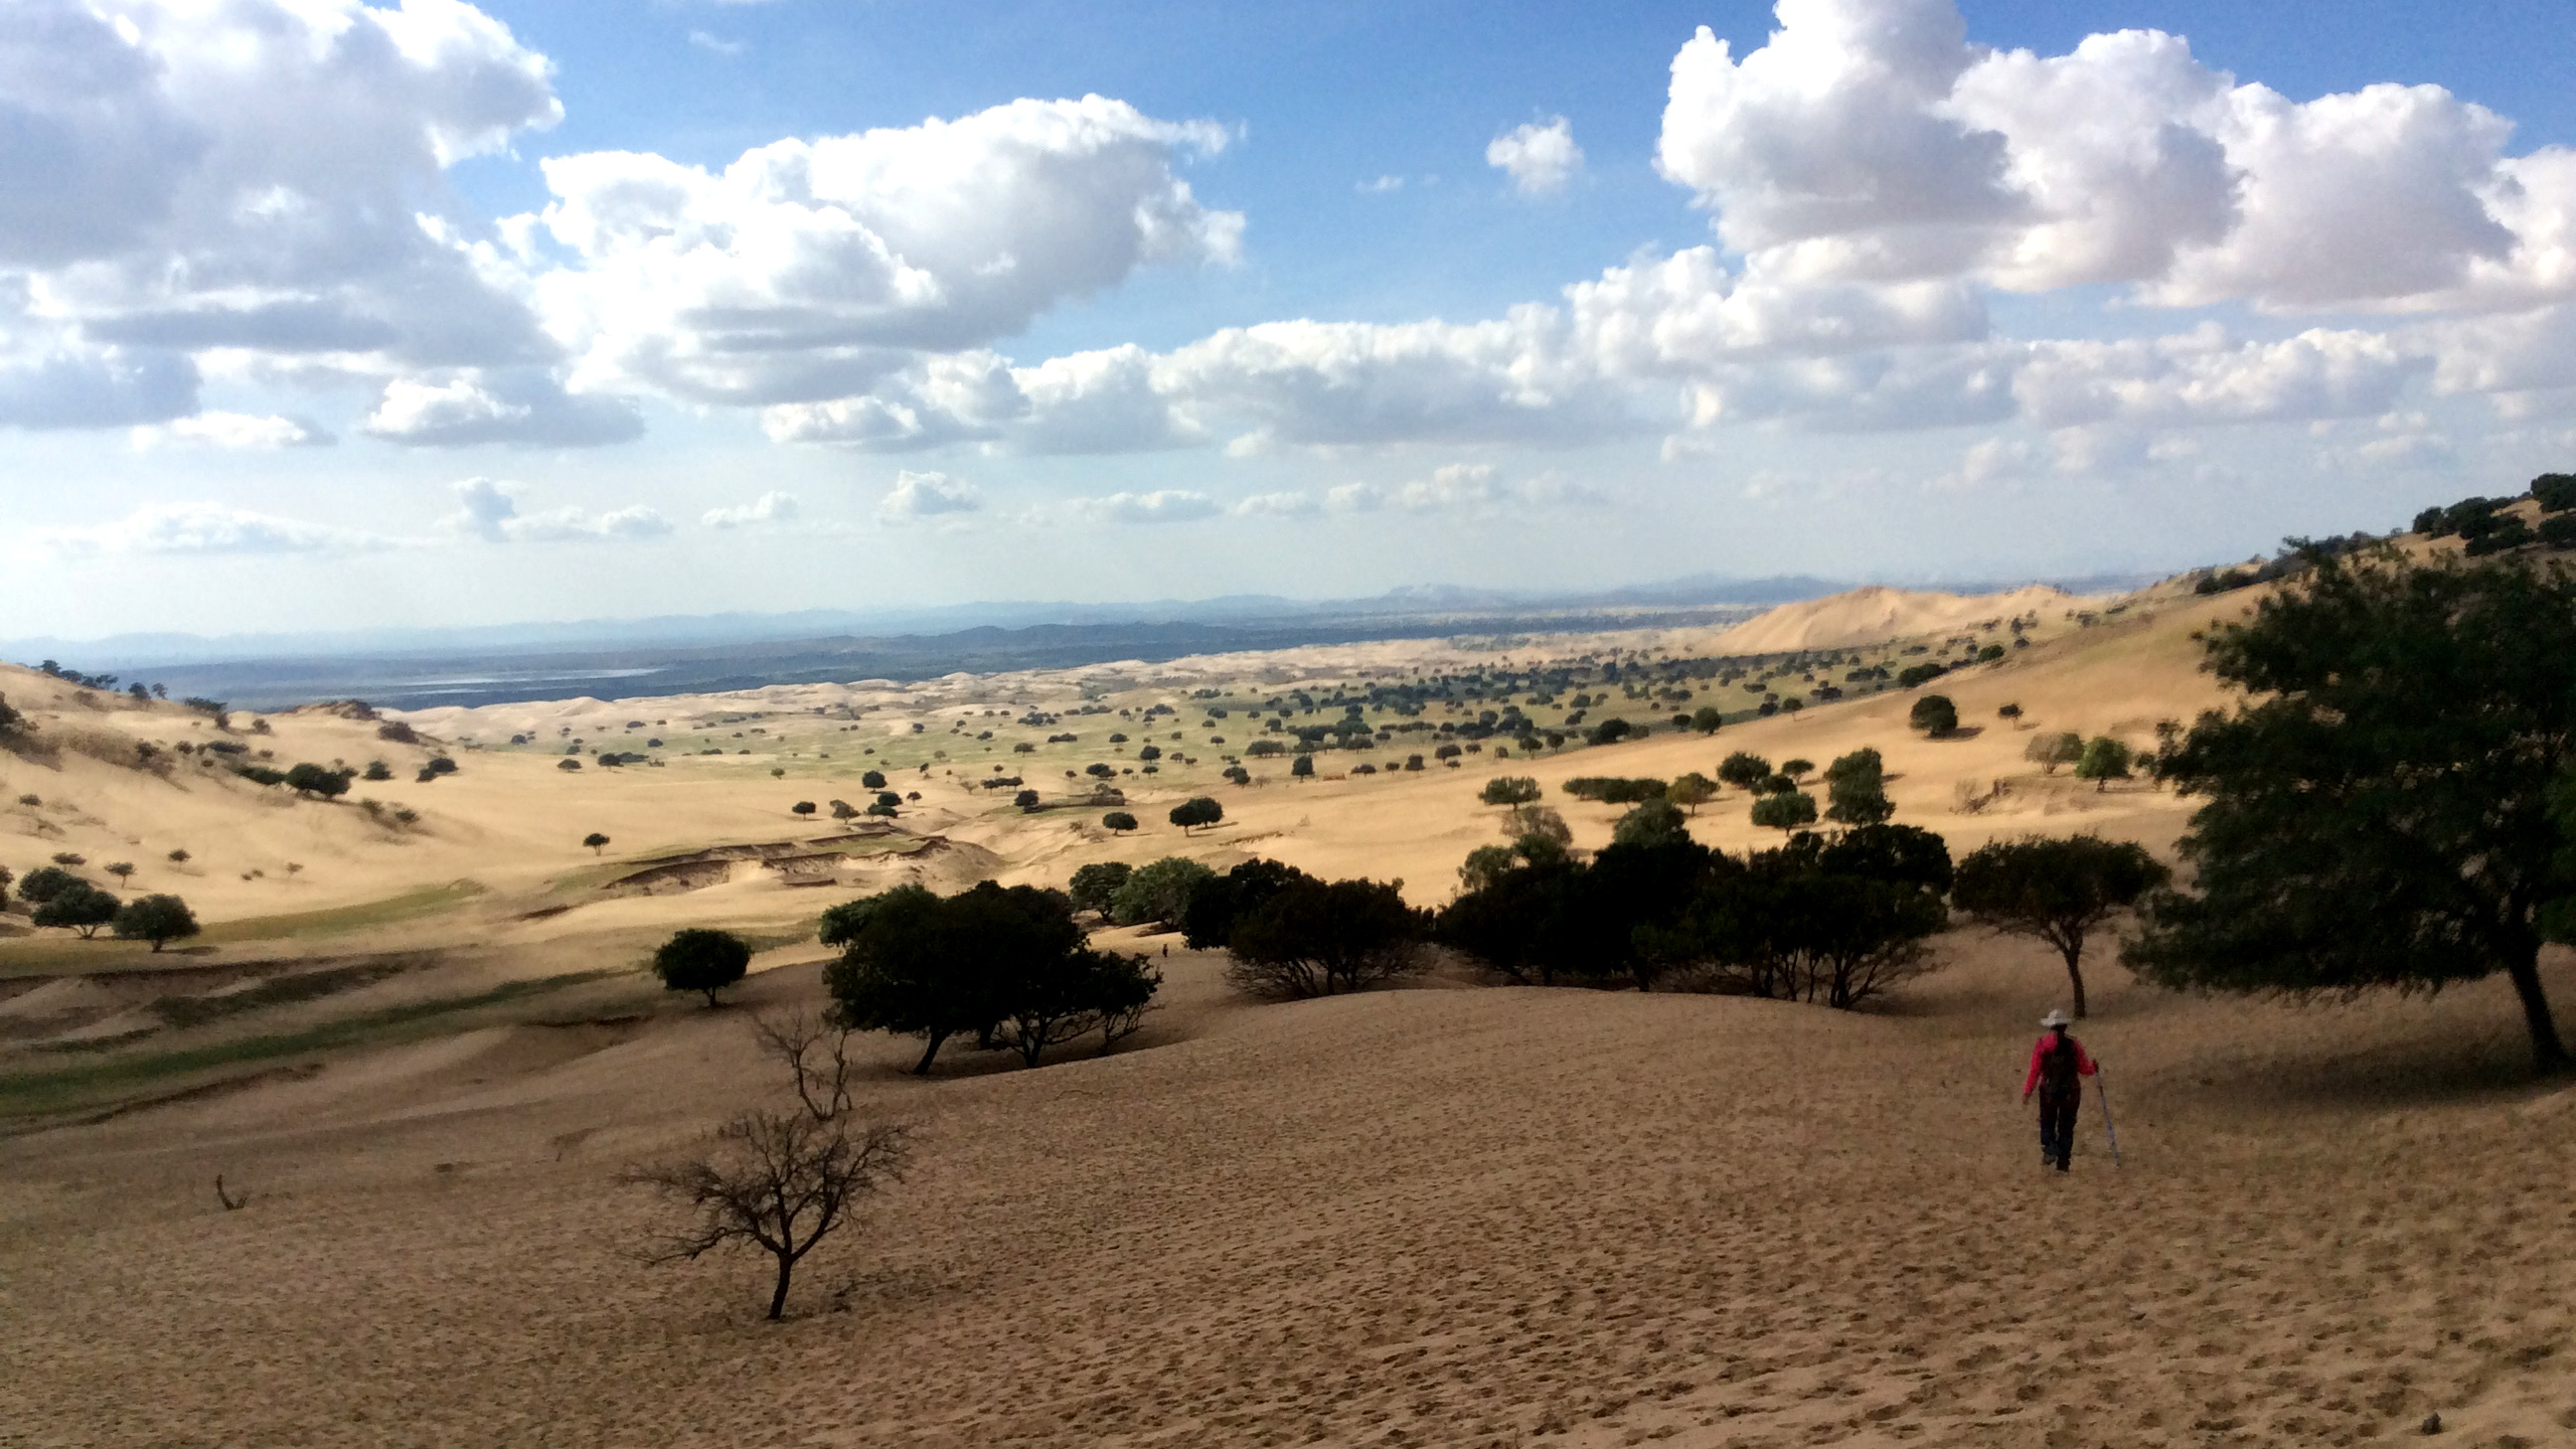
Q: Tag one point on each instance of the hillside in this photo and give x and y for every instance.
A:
(1876, 614)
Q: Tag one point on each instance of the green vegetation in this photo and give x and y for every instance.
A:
(701, 960)
(158, 919)
(2057, 891)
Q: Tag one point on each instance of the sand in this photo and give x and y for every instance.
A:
(1449, 1214)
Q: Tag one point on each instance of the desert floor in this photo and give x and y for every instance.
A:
(1447, 1214)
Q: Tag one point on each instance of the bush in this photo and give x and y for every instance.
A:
(1935, 715)
(2555, 492)
(701, 960)
(1158, 893)
(1314, 938)
(157, 919)
(312, 780)
(1611, 790)
(1913, 675)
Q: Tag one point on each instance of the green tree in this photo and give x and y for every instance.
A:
(1691, 791)
(1196, 811)
(1314, 938)
(2103, 761)
(313, 780)
(1485, 866)
(1158, 892)
(1935, 715)
(1787, 811)
(80, 907)
(1117, 822)
(2048, 751)
(801, 807)
(1745, 772)
(1509, 790)
(2010, 714)
(1797, 770)
(1095, 885)
(1302, 767)
(1856, 789)
(596, 841)
(1651, 823)
(157, 919)
(1707, 719)
(1027, 800)
(872, 780)
(2378, 809)
(46, 882)
(2058, 891)
(701, 960)
(843, 811)
(123, 870)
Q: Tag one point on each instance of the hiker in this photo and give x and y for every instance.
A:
(2058, 1067)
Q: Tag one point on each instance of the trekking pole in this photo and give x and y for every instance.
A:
(2108, 1125)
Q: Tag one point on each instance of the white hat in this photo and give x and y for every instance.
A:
(2053, 1020)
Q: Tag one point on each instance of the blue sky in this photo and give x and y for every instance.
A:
(316, 314)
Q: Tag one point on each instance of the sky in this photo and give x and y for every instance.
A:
(318, 315)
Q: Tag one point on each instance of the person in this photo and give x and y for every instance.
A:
(2058, 1067)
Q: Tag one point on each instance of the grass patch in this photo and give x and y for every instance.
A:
(187, 1011)
(32, 1093)
(408, 906)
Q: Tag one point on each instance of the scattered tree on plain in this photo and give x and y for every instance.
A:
(1788, 810)
(1197, 811)
(701, 960)
(1691, 791)
(2379, 811)
(123, 870)
(1745, 772)
(317, 780)
(1158, 892)
(1509, 790)
(1856, 789)
(801, 807)
(1935, 715)
(46, 882)
(1706, 719)
(2010, 714)
(1027, 800)
(157, 919)
(80, 907)
(2103, 761)
(1117, 822)
(2048, 751)
(1315, 938)
(1651, 823)
(2058, 891)
(596, 841)
(1095, 885)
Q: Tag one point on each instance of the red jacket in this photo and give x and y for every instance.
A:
(2039, 1049)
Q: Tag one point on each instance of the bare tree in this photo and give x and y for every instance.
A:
(816, 1049)
(777, 1181)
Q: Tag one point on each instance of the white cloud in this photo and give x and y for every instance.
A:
(808, 271)
(489, 510)
(1277, 505)
(703, 41)
(524, 407)
(1540, 159)
(926, 495)
(1460, 488)
(234, 432)
(205, 529)
(1380, 186)
(1164, 505)
(772, 507)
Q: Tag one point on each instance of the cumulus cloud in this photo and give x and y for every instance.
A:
(489, 510)
(1459, 488)
(523, 407)
(236, 432)
(206, 529)
(1540, 158)
(926, 495)
(807, 271)
(768, 508)
(1164, 505)
(1277, 505)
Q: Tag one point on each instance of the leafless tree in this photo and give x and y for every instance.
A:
(777, 1181)
(816, 1049)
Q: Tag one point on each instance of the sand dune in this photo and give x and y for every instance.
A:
(1876, 613)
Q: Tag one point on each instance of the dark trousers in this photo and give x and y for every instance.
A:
(2057, 1122)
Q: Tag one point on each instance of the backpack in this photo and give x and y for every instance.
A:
(2057, 1064)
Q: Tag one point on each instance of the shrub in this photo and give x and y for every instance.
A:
(312, 780)
(157, 919)
(1611, 790)
(702, 960)
(1914, 675)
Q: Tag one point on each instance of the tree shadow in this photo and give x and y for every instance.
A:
(1963, 732)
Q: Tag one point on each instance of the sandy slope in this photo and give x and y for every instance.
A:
(1874, 613)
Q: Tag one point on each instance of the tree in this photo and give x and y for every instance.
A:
(157, 919)
(1026, 800)
(1856, 789)
(2010, 714)
(1508, 790)
(596, 841)
(2057, 891)
(123, 870)
(1797, 770)
(80, 907)
(1218, 901)
(1117, 822)
(1795, 932)
(1314, 938)
(777, 1181)
(46, 882)
(1785, 811)
(1196, 811)
(1095, 885)
(1302, 767)
(177, 857)
(313, 780)
(1935, 715)
(843, 811)
(1707, 719)
(12, 723)
(1745, 772)
(801, 807)
(872, 780)
(1650, 823)
(2103, 761)
(1158, 892)
(2049, 751)
(702, 960)
(1538, 832)
(1691, 791)
(2380, 818)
